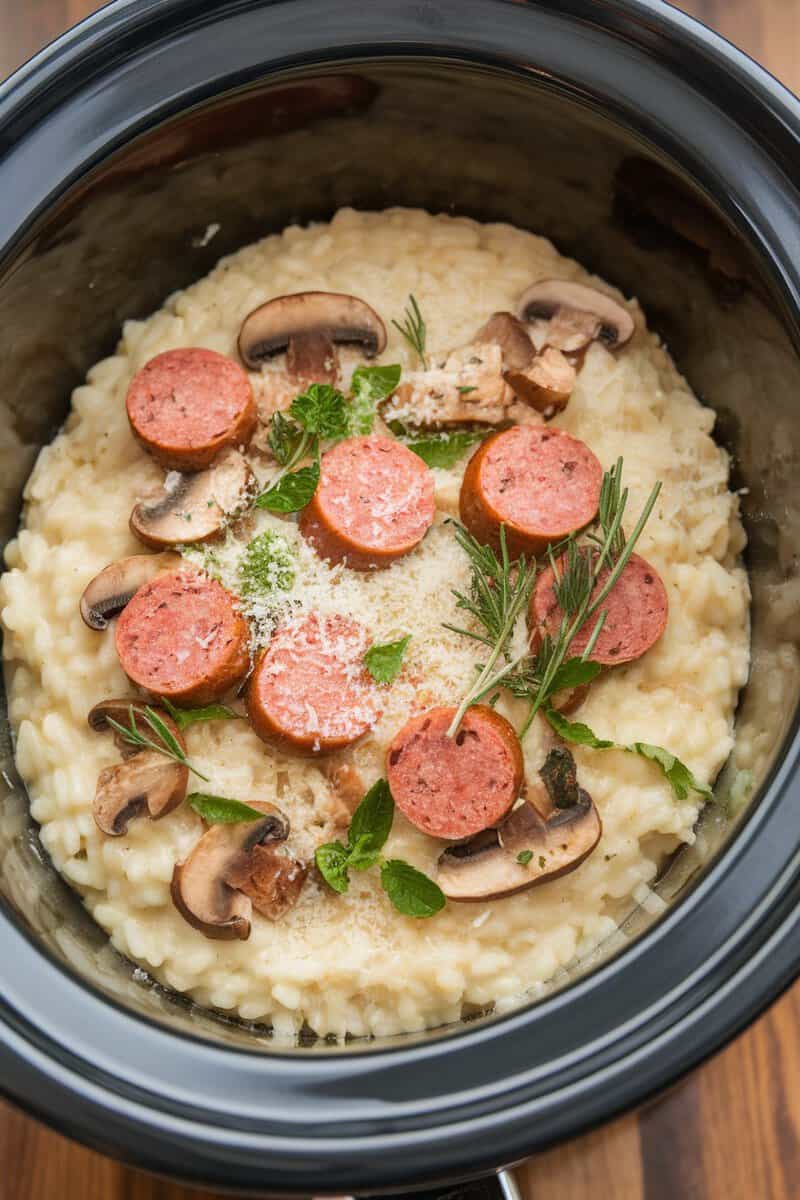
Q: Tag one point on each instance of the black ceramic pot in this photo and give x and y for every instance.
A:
(656, 154)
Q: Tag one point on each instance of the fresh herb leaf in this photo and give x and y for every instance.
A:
(444, 450)
(575, 731)
(285, 438)
(373, 818)
(331, 860)
(524, 857)
(292, 492)
(184, 717)
(164, 743)
(359, 856)
(384, 661)
(368, 387)
(574, 673)
(466, 390)
(411, 892)
(219, 810)
(414, 330)
(321, 410)
(611, 509)
(677, 773)
(267, 564)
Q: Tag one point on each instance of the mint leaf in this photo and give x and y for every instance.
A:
(372, 820)
(267, 565)
(292, 492)
(184, 717)
(361, 855)
(524, 857)
(680, 777)
(411, 892)
(331, 860)
(218, 810)
(369, 386)
(573, 673)
(575, 731)
(384, 661)
(321, 409)
(446, 449)
(285, 438)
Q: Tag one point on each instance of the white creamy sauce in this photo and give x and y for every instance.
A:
(352, 964)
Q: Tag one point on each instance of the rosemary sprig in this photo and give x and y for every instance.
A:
(166, 743)
(414, 330)
(496, 598)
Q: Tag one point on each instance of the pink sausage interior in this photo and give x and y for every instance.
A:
(186, 399)
(637, 608)
(376, 493)
(542, 480)
(451, 787)
(312, 682)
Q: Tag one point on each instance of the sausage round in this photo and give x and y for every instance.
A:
(182, 636)
(453, 787)
(310, 692)
(374, 503)
(541, 483)
(185, 405)
(637, 608)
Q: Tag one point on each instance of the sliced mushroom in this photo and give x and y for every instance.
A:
(308, 326)
(511, 336)
(146, 781)
(196, 507)
(110, 591)
(576, 315)
(467, 389)
(226, 875)
(552, 841)
(546, 384)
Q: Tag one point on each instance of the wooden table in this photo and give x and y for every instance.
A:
(731, 1131)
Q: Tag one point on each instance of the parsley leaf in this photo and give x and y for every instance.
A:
(411, 892)
(677, 774)
(285, 438)
(384, 661)
(267, 565)
(218, 810)
(184, 717)
(292, 492)
(369, 386)
(321, 409)
(445, 449)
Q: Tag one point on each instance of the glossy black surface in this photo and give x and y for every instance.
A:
(115, 160)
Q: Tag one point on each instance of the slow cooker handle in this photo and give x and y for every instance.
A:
(502, 1186)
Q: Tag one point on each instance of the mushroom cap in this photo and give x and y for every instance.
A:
(486, 867)
(511, 336)
(547, 297)
(145, 782)
(107, 594)
(200, 890)
(268, 329)
(196, 506)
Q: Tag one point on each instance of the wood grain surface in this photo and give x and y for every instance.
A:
(731, 1131)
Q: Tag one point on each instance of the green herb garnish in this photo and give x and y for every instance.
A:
(267, 565)
(524, 857)
(291, 492)
(165, 741)
(443, 450)
(414, 330)
(384, 661)
(464, 391)
(368, 387)
(184, 717)
(411, 892)
(317, 414)
(219, 810)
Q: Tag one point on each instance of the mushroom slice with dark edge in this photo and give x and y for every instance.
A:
(467, 389)
(108, 593)
(544, 381)
(145, 782)
(233, 869)
(506, 331)
(308, 326)
(195, 508)
(559, 830)
(576, 315)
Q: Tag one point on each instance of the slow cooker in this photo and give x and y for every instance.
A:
(660, 157)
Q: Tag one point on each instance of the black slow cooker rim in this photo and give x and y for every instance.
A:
(452, 1106)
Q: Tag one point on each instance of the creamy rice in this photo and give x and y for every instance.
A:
(352, 964)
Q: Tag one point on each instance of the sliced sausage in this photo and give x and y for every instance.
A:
(637, 608)
(310, 693)
(182, 636)
(453, 787)
(185, 405)
(374, 503)
(540, 483)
